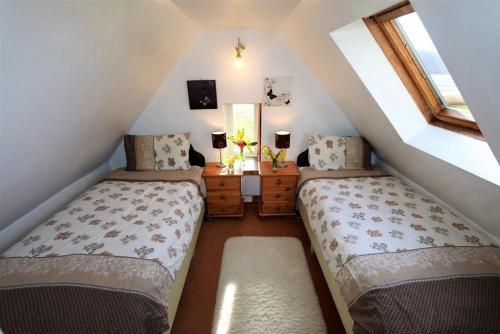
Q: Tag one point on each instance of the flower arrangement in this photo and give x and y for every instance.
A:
(274, 157)
(230, 160)
(242, 141)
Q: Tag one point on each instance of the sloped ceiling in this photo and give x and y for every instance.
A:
(307, 29)
(252, 14)
(74, 77)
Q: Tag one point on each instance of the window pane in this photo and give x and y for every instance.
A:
(244, 118)
(429, 59)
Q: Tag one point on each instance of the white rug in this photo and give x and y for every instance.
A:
(265, 287)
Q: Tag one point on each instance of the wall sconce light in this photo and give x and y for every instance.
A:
(239, 63)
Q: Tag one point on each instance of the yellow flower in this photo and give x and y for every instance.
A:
(282, 155)
(231, 159)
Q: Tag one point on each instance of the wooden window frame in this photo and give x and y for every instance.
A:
(228, 127)
(411, 73)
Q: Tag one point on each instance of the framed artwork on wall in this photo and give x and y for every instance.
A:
(202, 94)
(277, 91)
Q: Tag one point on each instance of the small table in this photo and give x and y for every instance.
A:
(278, 189)
(223, 191)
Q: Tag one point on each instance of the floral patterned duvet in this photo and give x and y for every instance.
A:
(147, 220)
(118, 246)
(378, 235)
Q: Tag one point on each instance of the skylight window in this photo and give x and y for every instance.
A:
(408, 46)
(432, 65)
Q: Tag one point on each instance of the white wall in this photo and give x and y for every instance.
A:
(312, 110)
(448, 22)
(74, 76)
(18, 229)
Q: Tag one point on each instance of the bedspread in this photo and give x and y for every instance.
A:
(390, 247)
(118, 246)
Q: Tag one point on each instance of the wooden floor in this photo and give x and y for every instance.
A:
(197, 303)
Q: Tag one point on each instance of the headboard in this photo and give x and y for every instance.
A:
(196, 158)
(303, 159)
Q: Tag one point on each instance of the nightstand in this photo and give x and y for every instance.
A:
(223, 191)
(277, 189)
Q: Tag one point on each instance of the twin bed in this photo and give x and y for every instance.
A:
(114, 260)
(396, 261)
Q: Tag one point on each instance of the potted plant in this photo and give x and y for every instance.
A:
(274, 157)
(242, 141)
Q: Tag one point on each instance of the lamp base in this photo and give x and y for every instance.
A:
(220, 164)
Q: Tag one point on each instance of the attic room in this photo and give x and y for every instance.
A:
(250, 166)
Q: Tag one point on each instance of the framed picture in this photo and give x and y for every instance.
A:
(277, 91)
(202, 94)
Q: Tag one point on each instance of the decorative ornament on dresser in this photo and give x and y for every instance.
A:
(202, 94)
(277, 91)
(275, 158)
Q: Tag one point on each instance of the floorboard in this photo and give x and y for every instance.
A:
(197, 303)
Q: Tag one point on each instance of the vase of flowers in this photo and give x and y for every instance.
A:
(274, 157)
(242, 141)
(230, 160)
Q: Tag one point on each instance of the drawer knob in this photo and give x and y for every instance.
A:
(222, 183)
(278, 181)
(278, 195)
(222, 197)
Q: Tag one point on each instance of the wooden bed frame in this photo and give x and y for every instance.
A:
(339, 300)
(175, 294)
(173, 299)
(340, 303)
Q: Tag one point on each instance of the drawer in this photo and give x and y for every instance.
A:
(224, 196)
(223, 183)
(225, 209)
(279, 194)
(279, 181)
(275, 208)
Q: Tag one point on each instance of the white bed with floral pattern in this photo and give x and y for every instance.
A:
(121, 243)
(377, 235)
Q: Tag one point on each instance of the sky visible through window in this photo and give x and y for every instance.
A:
(427, 55)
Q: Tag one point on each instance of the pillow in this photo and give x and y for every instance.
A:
(327, 152)
(140, 152)
(171, 152)
(334, 153)
(359, 153)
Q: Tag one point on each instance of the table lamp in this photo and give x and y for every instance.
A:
(282, 141)
(219, 141)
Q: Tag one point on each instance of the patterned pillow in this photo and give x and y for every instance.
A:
(171, 152)
(327, 152)
(140, 153)
(334, 153)
(359, 153)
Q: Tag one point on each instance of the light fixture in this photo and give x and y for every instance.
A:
(239, 63)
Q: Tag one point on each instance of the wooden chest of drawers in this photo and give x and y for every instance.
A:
(223, 192)
(277, 189)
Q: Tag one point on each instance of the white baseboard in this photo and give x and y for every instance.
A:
(18, 229)
(384, 166)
